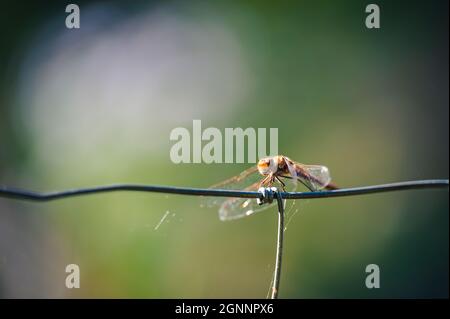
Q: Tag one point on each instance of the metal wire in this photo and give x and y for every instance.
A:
(22, 194)
(263, 195)
(280, 242)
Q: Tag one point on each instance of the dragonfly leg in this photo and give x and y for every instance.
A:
(283, 185)
(264, 181)
(267, 180)
(271, 179)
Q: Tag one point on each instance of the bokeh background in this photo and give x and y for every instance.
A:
(96, 105)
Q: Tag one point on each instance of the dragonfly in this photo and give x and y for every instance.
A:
(273, 170)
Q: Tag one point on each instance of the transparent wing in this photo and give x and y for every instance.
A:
(315, 177)
(234, 208)
(241, 181)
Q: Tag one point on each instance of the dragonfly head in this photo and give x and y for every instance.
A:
(267, 165)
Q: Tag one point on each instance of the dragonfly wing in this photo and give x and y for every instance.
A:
(234, 208)
(315, 177)
(241, 181)
(293, 177)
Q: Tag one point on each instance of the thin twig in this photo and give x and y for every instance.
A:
(35, 196)
(279, 254)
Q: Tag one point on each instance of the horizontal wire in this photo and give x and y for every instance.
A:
(421, 184)
(21, 194)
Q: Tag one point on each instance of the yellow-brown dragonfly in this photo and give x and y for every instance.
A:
(269, 171)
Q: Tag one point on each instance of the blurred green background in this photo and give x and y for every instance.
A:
(96, 106)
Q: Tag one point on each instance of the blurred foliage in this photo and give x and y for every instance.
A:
(372, 105)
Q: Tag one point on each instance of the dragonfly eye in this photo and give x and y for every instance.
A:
(264, 165)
